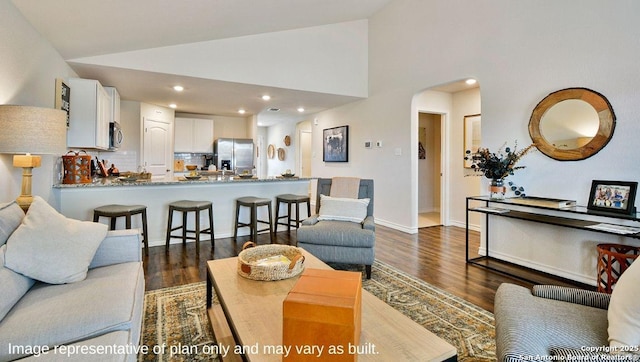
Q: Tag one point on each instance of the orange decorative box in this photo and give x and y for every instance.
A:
(322, 316)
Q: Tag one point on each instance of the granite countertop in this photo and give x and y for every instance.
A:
(179, 180)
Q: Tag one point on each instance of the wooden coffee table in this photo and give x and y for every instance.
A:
(250, 316)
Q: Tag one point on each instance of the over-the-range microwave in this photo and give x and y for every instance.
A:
(115, 136)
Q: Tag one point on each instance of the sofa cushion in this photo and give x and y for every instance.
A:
(109, 299)
(527, 325)
(337, 233)
(623, 313)
(51, 248)
(342, 209)
(11, 216)
(14, 285)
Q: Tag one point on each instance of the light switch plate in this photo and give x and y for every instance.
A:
(378, 143)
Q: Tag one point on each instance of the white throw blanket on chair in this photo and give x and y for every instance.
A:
(347, 187)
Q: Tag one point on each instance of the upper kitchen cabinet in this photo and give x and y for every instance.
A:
(193, 135)
(115, 104)
(89, 115)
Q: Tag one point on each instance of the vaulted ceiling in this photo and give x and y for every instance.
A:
(106, 40)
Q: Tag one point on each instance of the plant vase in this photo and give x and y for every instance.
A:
(497, 190)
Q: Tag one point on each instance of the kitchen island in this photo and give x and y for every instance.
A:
(78, 200)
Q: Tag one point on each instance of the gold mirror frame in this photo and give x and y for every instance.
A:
(605, 130)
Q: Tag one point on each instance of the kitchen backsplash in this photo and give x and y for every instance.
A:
(191, 158)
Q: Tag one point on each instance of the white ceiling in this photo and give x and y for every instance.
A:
(83, 28)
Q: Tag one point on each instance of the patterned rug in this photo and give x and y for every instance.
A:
(176, 317)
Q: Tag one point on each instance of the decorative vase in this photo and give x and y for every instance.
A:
(497, 190)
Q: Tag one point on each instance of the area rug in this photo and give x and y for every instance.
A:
(176, 326)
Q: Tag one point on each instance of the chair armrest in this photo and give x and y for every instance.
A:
(369, 223)
(572, 295)
(312, 220)
(120, 246)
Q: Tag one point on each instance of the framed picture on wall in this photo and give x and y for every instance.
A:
(63, 97)
(335, 144)
(613, 196)
(472, 136)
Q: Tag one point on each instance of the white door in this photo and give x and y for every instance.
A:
(157, 151)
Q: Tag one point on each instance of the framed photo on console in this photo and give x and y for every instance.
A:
(613, 196)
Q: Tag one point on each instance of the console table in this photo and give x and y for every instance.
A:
(576, 217)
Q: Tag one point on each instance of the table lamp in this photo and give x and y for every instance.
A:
(25, 130)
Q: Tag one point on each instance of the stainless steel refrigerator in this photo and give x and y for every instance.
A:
(233, 154)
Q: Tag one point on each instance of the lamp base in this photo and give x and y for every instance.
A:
(27, 162)
(24, 202)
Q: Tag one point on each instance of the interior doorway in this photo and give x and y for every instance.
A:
(305, 153)
(430, 141)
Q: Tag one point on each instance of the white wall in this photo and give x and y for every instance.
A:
(463, 182)
(275, 137)
(28, 69)
(519, 52)
(230, 127)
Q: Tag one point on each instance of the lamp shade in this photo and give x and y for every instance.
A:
(35, 130)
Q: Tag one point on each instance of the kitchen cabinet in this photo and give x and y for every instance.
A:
(89, 115)
(193, 135)
(115, 104)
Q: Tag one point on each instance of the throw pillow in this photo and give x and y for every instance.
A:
(11, 216)
(14, 285)
(342, 209)
(51, 248)
(623, 313)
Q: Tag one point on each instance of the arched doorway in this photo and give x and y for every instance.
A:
(441, 183)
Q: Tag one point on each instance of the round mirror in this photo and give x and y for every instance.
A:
(572, 124)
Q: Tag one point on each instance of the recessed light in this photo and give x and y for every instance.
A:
(300, 109)
(241, 111)
(173, 105)
(178, 88)
(266, 97)
(471, 81)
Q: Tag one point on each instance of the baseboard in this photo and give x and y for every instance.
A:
(395, 226)
(464, 226)
(584, 279)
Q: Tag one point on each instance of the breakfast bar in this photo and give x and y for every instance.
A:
(78, 200)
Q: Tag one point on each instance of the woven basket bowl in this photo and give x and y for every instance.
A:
(250, 254)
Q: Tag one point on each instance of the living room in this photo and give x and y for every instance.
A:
(518, 51)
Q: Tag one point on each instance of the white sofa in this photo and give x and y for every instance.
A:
(97, 318)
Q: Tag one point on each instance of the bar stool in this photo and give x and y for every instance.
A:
(114, 211)
(253, 203)
(291, 199)
(186, 206)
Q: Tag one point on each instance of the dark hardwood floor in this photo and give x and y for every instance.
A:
(435, 255)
